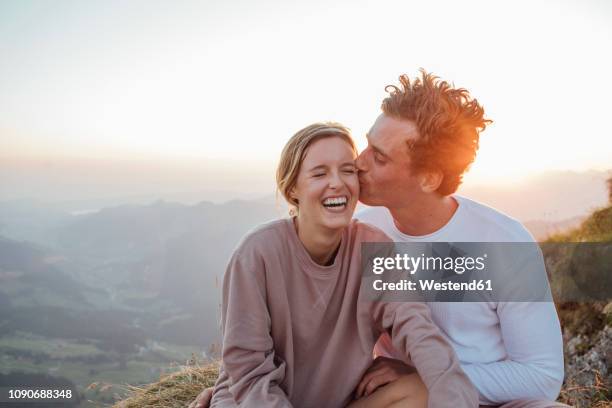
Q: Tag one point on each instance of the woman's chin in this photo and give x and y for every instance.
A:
(337, 221)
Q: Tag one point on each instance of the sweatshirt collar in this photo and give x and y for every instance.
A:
(304, 257)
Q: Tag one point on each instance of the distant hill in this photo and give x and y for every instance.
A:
(162, 261)
(548, 197)
(117, 293)
(31, 220)
(541, 230)
(597, 227)
(29, 276)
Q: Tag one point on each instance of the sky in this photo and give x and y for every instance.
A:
(224, 84)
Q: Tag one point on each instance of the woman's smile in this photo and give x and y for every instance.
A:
(337, 204)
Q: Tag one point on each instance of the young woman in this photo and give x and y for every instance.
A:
(296, 332)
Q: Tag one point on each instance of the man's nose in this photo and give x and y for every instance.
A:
(360, 162)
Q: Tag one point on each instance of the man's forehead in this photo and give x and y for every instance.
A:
(389, 133)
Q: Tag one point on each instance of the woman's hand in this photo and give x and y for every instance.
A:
(203, 399)
(382, 371)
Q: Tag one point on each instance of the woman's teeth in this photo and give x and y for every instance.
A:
(335, 202)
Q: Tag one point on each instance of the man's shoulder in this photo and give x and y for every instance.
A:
(372, 215)
(496, 224)
(367, 232)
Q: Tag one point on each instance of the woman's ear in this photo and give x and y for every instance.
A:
(293, 193)
(430, 180)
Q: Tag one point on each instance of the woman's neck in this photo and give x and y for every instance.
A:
(321, 244)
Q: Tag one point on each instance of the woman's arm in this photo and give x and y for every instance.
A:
(248, 355)
(413, 333)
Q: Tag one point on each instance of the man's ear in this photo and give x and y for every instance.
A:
(430, 180)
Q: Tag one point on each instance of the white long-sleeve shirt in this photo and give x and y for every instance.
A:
(510, 350)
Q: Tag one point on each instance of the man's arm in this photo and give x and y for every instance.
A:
(534, 368)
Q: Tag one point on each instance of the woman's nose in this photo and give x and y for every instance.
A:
(335, 180)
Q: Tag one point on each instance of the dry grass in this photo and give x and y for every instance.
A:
(594, 396)
(174, 390)
(179, 389)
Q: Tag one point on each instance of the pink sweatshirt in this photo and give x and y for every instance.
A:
(298, 334)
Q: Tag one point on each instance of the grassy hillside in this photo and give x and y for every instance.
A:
(586, 325)
(596, 228)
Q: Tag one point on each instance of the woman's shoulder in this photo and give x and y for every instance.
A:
(264, 237)
(365, 232)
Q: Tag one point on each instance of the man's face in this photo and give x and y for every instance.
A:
(385, 177)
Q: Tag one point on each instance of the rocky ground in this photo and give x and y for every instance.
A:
(588, 355)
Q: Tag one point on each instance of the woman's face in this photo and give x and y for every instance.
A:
(327, 186)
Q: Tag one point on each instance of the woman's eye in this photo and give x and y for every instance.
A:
(350, 171)
(318, 175)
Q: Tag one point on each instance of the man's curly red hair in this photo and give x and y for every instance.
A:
(449, 122)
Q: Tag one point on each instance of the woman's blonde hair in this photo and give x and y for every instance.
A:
(294, 151)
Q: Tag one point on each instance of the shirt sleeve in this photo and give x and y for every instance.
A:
(414, 334)
(253, 370)
(534, 367)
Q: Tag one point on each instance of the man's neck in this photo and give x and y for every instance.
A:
(425, 215)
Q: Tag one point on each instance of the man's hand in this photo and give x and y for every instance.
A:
(202, 400)
(382, 371)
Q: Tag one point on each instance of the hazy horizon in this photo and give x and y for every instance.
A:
(82, 185)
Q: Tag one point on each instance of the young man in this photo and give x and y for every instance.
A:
(418, 150)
